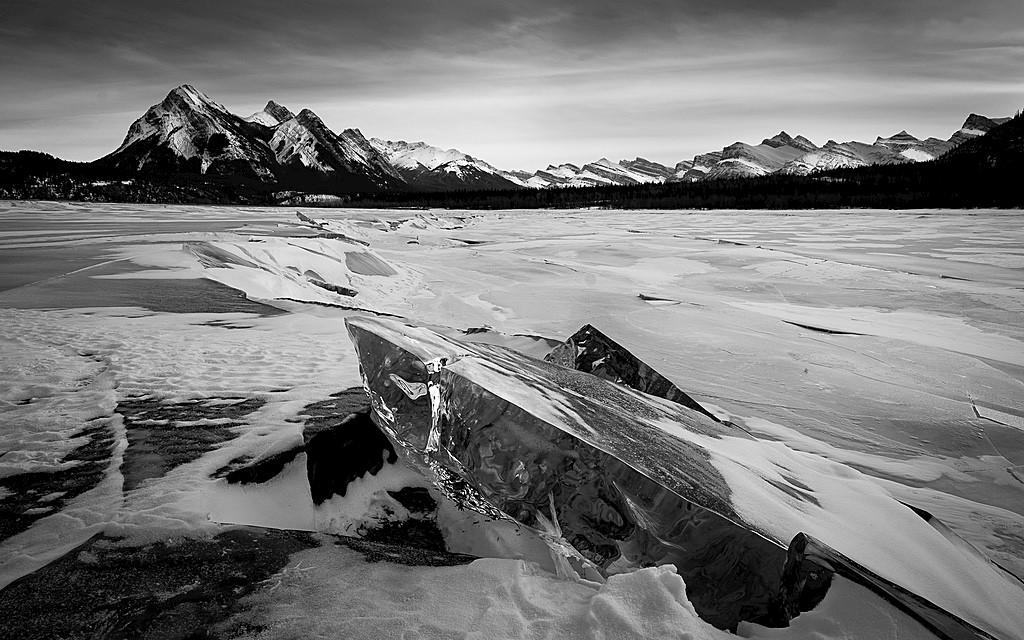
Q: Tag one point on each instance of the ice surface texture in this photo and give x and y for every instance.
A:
(633, 480)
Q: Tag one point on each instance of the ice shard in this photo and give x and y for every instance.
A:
(591, 351)
(634, 480)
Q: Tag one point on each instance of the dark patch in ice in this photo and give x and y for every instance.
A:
(834, 332)
(399, 553)
(337, 455)
(330, 235)
(800, 491)
(551, 342)
(328, 414)
(1017, 476)
(720, 241)
(469, 242)
(805, 583)
(324, 232)
(471, 330)
(174, 590)
(340, 306)
(593, 352)
(171, 295)
(937, 620)
(648, 298)
(163, 435)
(421, 533)
(947, 277)
(336, 288)
(416, 499)
(342, 443)
(251, 470)
(224, 324)
(31, 496)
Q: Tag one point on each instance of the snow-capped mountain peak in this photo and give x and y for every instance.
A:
(412, 155)
(188, 131)
(426, 166)
(783, 139)
(304, 141)
(193, 98)
(272, 115)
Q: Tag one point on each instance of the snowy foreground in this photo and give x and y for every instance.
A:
(864, 362)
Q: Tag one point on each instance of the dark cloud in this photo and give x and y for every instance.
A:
(518, 83)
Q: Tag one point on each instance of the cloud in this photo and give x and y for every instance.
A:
(519, 84)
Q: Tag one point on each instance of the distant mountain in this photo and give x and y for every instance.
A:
(190, 133)
(601, 172)
(975, 126)
(307, 150)
(430, 168)
(982, 171)
(782, 153)
(785, 154)
(193, 144)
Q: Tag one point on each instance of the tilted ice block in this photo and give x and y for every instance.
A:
(591, 351)
(636, 480)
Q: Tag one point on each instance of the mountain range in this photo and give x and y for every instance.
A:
(189, 134)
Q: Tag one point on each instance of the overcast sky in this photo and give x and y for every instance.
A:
(520, 84)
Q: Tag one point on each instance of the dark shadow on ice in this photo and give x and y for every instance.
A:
(179, 589)
(37, 494)
(341, 444)
(173, 295)
(164, 435)
(834, 332)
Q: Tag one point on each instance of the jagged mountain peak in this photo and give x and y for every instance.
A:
(189, 91)
(783, 139)
(189, 132)
(188, 97)
(901, 137)
(778, 140)
(272, 115)
(278, 111)
(308, 114)
(984, 124)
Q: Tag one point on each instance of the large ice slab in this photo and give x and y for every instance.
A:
(634, 480)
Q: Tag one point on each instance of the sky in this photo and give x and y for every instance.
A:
(519, 84)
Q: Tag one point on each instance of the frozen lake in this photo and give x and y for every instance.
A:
(890, 342)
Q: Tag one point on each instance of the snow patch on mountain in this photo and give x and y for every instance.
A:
(916, 155)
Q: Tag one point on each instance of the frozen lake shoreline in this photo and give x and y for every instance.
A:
(890, 342)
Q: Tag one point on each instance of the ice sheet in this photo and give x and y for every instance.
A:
(896, 406)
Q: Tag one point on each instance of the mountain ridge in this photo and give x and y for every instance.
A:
(193, 137)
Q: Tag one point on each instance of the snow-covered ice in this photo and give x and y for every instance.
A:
(886, 345)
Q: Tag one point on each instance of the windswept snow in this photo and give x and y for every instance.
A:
(882, 350)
